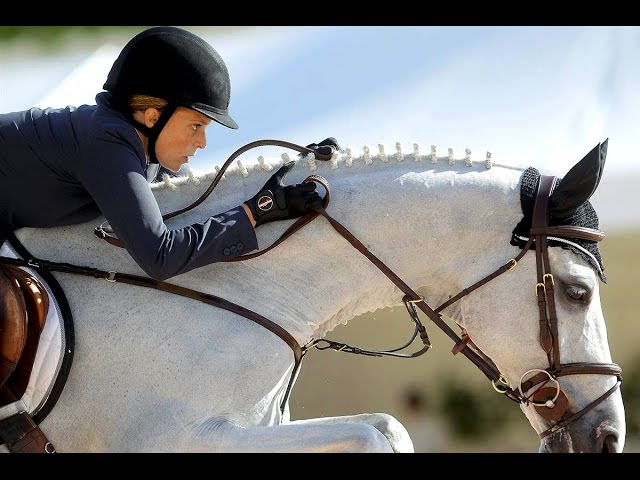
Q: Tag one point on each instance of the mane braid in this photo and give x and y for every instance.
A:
(344, 159)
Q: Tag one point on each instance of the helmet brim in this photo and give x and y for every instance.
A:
(222, 118)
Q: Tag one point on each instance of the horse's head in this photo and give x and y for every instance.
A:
(542, 323)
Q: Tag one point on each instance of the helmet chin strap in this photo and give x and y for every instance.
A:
(154, 132)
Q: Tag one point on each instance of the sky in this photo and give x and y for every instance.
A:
(541, 96)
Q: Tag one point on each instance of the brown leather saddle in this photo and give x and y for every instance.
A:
(24, 304)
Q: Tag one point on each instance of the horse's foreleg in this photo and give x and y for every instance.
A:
(392, 429)
(308, 436)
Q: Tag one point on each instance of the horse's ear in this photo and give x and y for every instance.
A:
(579, 183)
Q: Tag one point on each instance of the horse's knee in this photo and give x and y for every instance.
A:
(369, 439)
(395, 432)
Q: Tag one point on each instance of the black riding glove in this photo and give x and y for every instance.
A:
(275, 201)
(325, 147)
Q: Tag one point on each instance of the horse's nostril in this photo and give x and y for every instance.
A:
(610, 444)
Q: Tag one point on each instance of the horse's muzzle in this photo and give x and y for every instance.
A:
(601, 440)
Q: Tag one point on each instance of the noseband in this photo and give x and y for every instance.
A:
(550, 402)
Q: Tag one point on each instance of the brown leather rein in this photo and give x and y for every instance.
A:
(550, 403)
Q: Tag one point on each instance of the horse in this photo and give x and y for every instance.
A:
(207, 363)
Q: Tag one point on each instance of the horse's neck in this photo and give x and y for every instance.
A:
(439, 227)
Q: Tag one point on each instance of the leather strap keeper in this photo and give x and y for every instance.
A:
(21, 435)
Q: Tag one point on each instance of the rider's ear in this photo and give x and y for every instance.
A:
(579, 183)
(151, 116)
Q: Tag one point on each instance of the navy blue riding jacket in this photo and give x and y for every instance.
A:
(70, 165)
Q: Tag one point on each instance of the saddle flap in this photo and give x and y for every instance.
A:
(13, 323)
(36, 305)
(35, 296)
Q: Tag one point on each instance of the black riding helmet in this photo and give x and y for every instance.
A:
(196, 77)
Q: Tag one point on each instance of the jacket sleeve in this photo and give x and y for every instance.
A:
(120, 188)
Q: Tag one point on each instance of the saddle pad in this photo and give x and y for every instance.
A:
(49, 356)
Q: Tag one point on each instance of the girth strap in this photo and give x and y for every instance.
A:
(22, 435)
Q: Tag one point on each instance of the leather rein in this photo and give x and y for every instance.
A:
(550, 403)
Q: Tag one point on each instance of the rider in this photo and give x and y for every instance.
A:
(69, 165)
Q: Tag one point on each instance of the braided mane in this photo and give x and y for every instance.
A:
(340, 161)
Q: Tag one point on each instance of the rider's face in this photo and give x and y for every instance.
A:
(181, 137)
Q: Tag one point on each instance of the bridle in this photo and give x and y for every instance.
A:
(550, 402)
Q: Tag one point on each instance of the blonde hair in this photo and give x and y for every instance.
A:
(142, 102)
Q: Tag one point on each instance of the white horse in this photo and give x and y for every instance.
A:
(158, 372)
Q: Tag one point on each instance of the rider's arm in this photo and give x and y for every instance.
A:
(120, 188)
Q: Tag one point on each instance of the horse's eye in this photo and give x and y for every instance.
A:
(579, 294)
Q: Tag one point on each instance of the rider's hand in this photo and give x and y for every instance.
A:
(326, 147)
(276, 201)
